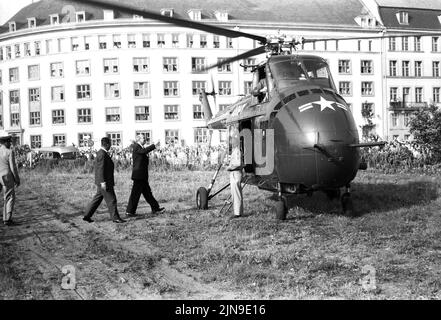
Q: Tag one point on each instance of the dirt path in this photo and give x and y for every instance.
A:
(108, 263)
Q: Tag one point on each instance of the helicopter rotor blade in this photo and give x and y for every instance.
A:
(176, 21)
(247, 54)
(213, 91)
(375, 37)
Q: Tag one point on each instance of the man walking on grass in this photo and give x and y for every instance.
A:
(105, 183)
(140, 177)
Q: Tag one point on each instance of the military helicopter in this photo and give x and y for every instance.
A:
(298, 135)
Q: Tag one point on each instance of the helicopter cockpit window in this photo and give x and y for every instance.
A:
(288, 70)
(318, 72)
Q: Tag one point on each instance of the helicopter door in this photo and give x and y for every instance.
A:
(246, 144)
(260, 86)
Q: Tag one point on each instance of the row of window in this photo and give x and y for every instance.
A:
(395, 116)
(114, 41)
(112, 115)
(170, 136)
(417, 44)
(418, 97)
(417, 69)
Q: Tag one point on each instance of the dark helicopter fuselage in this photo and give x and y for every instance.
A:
(314, 130)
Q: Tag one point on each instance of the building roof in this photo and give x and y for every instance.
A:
(318, 12)
(416, 4)
(419, 19)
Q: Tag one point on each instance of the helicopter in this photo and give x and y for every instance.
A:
(298, 135)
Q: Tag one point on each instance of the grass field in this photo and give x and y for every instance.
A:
(392, 250)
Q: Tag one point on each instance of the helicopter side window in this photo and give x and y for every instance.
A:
(318, 72)
(288, 70)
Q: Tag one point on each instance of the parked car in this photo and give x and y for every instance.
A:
(69, 152)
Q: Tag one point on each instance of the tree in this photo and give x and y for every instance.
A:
(425, 126)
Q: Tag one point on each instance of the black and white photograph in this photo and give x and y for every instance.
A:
(239, 152)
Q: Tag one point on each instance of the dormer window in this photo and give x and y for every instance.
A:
(54, 18)
(366, 21)
(108, 14)
(403, 17)
(32, 22)
(221, 15)
(167, 12)
(12, 26)
(80, 16)
(137, 17)
(195, 14)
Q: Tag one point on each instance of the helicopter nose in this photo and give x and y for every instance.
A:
(312, 137)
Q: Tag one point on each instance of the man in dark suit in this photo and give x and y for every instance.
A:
(105, 182)
(140, 177)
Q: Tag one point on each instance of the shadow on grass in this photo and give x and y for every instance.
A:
(366, 197)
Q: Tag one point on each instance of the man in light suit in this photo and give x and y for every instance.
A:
(105, 182)
(140, 177)
(235, 168)
(9, 178)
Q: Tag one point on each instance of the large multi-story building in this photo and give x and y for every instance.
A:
(69, 71)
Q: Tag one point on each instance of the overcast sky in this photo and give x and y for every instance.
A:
(10, 7)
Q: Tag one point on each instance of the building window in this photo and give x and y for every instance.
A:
(161, 40)
(247, 86)
(1, 54)
(111, 90)
(34, 72)
(223, 107)
(141, 90)
(394, 119)
(87, 43)
(171, 89)
(224, 88)
(171, 136)
(102, 42)
(54, 19)
(198, 87)
(84, 138)
(13, 75)
(115, 139)
(57, 70)
(435, 44)
(419, 94)
(140, 64)
(229, 43)
(436, 95)
(171, 112)
(131, 41)
(189, 41)
(145, 40)
(17, 50)
(113, 114)
(393, 68)
(14, 97)
(225, 67)
(1, 80)
(175, 40)
(405, 43)
(367, 67)
(367, 88)
(170, 64)
(57, 94)
(197, 64)
(83, 92)
(34, 95)
(84, 115)
(111, 65)
(147, 134)
(216, 42)
(200, 135)
(59, 140)
(406, 93)
(75, 43)
(418, 68)
(406, 119)
(403, 17)
(393, 92)
(142, 113)
(405, 68)
(249, 64)
(198, 112)
(82, 67)
(345, 88)
(116, 41)
(344, 66)
(435, 69)
(35, 118)
(80, 16)
(15, 119)
(203, 41)
(58, 116)
(35, 141)
(392, 44)
(417, 43)
(37, 48)
(12, 26)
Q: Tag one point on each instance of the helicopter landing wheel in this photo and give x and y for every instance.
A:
(202, 198)
(281, 209)
(347, 205)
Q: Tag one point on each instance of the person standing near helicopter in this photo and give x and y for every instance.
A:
(235, 168)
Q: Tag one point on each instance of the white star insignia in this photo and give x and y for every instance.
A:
(325, 104)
